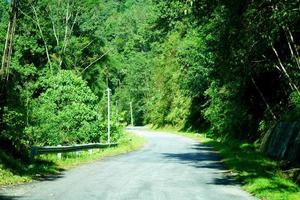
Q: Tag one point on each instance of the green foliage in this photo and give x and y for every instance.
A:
(64, 113)
(219, 56)
(58, 75)
(295, 100)
(293, 112)
(224, 112)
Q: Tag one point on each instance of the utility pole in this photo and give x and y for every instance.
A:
(131, 115)
(108, 115)
(99, 121)
(117, 109)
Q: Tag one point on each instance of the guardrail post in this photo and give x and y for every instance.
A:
(59, 154)
(33, 153)
(90, 151)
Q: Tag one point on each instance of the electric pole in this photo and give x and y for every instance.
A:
(117, 110)
(131, 115)
(108, 115)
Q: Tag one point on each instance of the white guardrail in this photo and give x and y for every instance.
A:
(35, 150)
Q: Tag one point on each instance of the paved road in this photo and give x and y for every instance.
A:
(167, 167)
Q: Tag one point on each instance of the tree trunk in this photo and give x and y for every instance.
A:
(6, 59)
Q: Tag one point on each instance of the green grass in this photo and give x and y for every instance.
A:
(258, 174)
(14, 171)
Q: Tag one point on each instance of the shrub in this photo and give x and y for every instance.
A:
(64, 113)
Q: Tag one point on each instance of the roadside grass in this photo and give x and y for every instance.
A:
(15, 172)
(258, 174)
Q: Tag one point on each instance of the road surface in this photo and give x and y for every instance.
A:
(167, 167)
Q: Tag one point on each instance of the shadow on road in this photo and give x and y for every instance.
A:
(201, 147)
(50, 177)
(225, 181)
(4, 197)
(201, 156)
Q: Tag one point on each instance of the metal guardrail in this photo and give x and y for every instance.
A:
(62, 149)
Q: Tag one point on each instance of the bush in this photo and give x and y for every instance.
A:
(65, 113)
(293, 112)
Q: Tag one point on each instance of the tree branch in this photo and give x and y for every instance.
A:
(96, 60)
(42, 36)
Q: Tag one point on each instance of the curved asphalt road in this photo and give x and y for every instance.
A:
(167, 167)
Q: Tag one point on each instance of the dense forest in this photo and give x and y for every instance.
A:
(231, 68)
